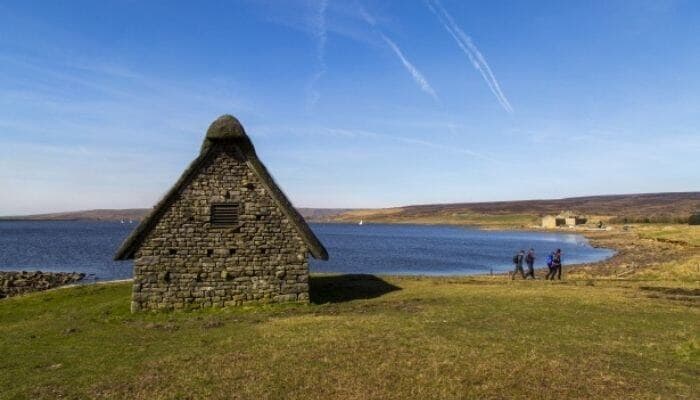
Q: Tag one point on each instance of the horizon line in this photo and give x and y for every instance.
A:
(612, 195)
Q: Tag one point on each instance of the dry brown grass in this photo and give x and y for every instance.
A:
(647, 252)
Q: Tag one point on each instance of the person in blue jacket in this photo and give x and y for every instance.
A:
(549, 259)
(555, 270)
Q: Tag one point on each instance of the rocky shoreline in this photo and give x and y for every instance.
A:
(13, 283)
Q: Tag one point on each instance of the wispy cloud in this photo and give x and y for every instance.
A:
(415, 73)
(469, 48)
(366, 16)
(340, 18)
(330, 133)
(417, 76)
(446, 148)
(320, 33)
(345, 16)
(411, 141)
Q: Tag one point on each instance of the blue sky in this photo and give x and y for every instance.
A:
(350, 103)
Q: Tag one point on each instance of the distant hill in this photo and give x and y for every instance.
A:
(635, 207)
(322, 214)
(647, 207)
(137, 214)
(619, 205)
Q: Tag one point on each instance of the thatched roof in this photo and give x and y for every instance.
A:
(225, 130)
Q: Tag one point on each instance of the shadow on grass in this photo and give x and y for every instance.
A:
(341, 288)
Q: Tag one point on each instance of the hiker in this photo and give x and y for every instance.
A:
(556, 262)
(556, 265)
(530, 260)
(549, 259)
(518, 261)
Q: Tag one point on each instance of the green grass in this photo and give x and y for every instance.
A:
(495, 220)
(687, 234)
(361, 338)
(685, 268)
(490, 221)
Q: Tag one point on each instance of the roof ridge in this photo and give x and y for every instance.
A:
(225, 129)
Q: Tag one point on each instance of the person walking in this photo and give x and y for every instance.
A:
(556, 261)
(550, 259)
(556, 264)
(530, 260)
(518, 261)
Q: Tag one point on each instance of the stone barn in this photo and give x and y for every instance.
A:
(551, 221)
(567, 218)
(224, 234)
(574, 220)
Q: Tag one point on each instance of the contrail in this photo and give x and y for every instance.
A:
(320, 32)
(469, 48)
(417, 76)
(415, 73)
(367, 16)
(412, 141)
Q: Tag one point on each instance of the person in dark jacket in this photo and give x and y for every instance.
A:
(518, 261)
(530, 260)
(556, 266)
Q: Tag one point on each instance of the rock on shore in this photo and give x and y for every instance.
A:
(15, 283)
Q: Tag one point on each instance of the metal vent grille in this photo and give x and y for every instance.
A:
(224, 214)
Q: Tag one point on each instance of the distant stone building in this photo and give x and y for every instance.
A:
(564, 219)
(573, 220)
(551, 221)
(224, 234)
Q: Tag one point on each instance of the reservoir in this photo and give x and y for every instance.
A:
(384, 249)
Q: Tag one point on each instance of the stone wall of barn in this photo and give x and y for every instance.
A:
(187, 263)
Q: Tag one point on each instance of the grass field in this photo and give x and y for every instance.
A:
(489, 221)
(679, 234)
(647, 252)
(628, 327)
(361, 337)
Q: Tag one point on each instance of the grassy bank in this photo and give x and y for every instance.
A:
(361, 338)
(398, 216)
(627, 327)
(647, 252)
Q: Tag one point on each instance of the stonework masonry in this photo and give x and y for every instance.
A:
(18, 283)
(185, 262)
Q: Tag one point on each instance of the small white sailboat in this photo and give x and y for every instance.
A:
(122, 220)
(360, 223)
(131, 221)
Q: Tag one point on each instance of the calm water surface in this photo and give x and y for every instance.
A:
(372, 248)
